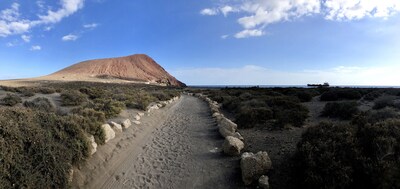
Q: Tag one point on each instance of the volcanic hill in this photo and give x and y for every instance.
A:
(135, 68)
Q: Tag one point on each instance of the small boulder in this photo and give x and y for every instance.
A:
(232, 146)
(108, 131)
(70, 175)
(238, 136)
(226, 127)
(254, 165)
(126, 124)
(117, 127)
(225, 132)
(93, 144)
(136, 122)
(141, 114)
(136, 117)
(228, 124)
(263, 182)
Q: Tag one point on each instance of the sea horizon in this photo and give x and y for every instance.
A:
(291, 86)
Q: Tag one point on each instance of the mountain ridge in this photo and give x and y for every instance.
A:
(137, 68)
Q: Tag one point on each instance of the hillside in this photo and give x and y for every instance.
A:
(135, 68)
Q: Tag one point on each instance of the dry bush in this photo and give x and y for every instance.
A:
(11, 100)
(41, 104)
(342, 110)
(72, 98)
(38, 148)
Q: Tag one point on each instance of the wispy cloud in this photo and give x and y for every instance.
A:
(11, 22)
(69, 37)
(255, 15)
(26, 38)
(91, 26)
(36, 48)
(209, 12)
(249, 33)
(256, 75)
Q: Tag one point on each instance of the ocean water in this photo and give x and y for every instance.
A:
(289, 86)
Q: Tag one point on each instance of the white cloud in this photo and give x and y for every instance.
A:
(358, 9)
(209, 12)
(10, 44)
(256, 75)
(227, 9)
(224, 36)
(26, 38)
(69, 37)
(12, 24)
(36, 48)
(91, 26)
(68, 7)
(249, 33)
(258, 14)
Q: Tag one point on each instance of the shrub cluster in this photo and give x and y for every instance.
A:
(72, 98)
(342, 110)
(257, 106)
(38, 148)
(11, 100)
(41, 104)
(384, 101)
(335, 94)
(349, 156)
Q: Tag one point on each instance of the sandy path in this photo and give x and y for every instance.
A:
(173, 148)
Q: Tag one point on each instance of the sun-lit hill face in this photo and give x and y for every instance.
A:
(139, 67)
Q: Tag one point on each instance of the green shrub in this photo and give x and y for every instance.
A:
(91, 122)
(95, 92)
(11, 100)
(249, 117)
(325, 155)
(384, 101)
(372, 95)
(288, 111)
(41, 104)
(304, 96)
(38, 148)
(349, 156)
(341, 94)
(72, 98)
(342, 110)
(46, 90)
(375, 116)
(109, 107)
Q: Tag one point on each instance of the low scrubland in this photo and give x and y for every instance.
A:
(273, 108)
(40, 144)
(356, 143)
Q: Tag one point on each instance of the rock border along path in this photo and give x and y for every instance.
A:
(175, 147)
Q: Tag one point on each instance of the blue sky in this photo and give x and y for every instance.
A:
(254, 42)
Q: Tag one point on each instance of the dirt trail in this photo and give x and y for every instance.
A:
(175, 147)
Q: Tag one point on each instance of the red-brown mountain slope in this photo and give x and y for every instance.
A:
(137, 67)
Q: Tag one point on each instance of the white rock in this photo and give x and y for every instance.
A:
(70, 175)
(93, 144)
(228, 124)
(232, 146)
(226, 127)
(238, 136)
(263, 182)
(117, 127)
(136, 122)
(254, 165)
(126, 124)
(140, 114)
(108, 131)
(136, 117)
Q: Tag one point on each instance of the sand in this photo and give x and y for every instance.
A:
(175, 147)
